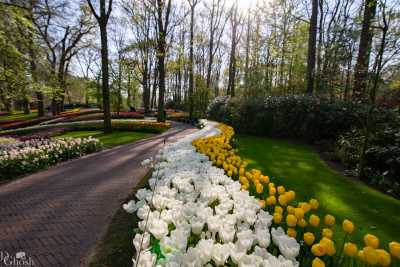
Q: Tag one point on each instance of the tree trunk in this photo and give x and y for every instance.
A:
(161, 77)
(312, 39)
(104, 70)
(26, 105)
(364, 50)
(232, 60)
(191, 74)
(372, 96)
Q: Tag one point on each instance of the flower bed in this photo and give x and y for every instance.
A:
(100, 116)
(121, 125)
(23, 123)
(5, 122)
(297, 218)
(18, 158)
(14, 124)
(195, 215)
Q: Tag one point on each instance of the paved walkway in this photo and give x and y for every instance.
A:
(56, 216)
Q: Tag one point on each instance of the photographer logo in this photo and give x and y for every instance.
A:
(20, 259)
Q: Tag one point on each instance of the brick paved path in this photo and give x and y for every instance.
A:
(56, 216)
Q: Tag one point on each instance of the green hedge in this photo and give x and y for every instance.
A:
(341, 123)
(303, 117)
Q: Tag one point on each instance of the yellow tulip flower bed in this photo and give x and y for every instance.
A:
(296, 217)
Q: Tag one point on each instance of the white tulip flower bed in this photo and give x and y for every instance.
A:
(195, 215)
(17, 158)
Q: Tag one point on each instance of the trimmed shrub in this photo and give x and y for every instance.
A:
(309, 118)
(339, 122)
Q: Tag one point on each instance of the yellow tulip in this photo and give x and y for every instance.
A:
(291, 232)
(326, 232)
(314, 220)
(318, 250)
(264, 179)
(278, 209)
(277, 217)
(361, 256)
(230, 173)
(272, 191)
(371, 241)
(314, 204)
(309, 238)
(370, 255)
(271, 200)
(394, 248)
(384, 258)
(350, 249)
(291, 220)
(348, 226)
(281, 190)
(290, 209)
(305, 206)
(241, 171)
(245, 186)
(299, 213)
(292, 194)
(329, 220)
(243, 180)
(282, 200)
(302, 223)
(249, 176)
(259, 188)
(317, 262)
(328, 245)
(262, 203)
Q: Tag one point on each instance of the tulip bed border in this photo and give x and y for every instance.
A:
(122, 125)
(292, 215)
(195, 215)
(20, 158)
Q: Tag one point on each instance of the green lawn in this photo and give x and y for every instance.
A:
(299, 168)
(19, 116)
(110, 140)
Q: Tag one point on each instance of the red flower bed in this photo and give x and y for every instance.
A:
(4, 122)
(27, 123)
(67, 114)
(43, 134)
(128, 115)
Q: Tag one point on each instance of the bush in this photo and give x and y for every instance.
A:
(382, 155)
(304, 117)
(338, 122)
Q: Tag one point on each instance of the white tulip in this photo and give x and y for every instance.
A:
(220, 253)
(158, 228)
(146, 259)
(245, 239)
(141, 241)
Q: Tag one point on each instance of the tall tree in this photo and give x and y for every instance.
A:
(364, 50)
(62, 38)
(217, 26)
(235, 37)
(163, 11)
(312, 40)
(102, 20)
(377, 68)
(193, 4)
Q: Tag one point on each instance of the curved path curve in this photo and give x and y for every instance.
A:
(56, 216)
